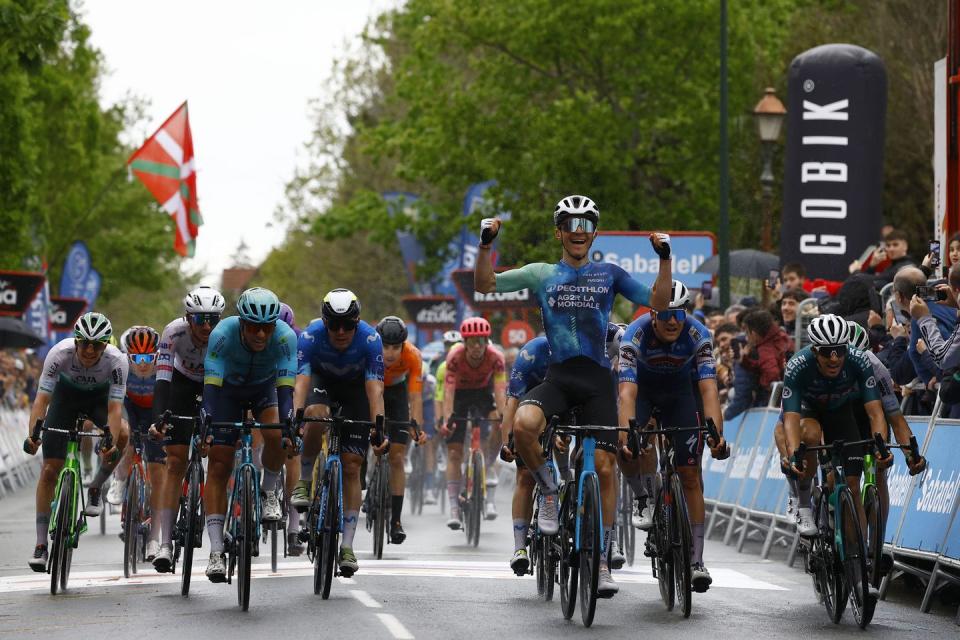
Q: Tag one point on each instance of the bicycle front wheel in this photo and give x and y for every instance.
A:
(190, 524)
(681, 547)
(662, 557)
(331, 530)
(131, 522)
(476, 500)
(626, 534)
(569, 569)
(873, 509)
(590, 548)
(380, 502)
(855, 561)
(247, 538)
(60, 542)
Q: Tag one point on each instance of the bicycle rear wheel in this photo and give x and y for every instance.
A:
(548, 558)
(681, 547)
(855, 561)
(131, 522)
(569, 562)
(626, 534)
(190, 524)
(415, 481)
(60, 540)
(247, 537)
(331, 530)
(591, 533)
(476, 500)
(873, 509)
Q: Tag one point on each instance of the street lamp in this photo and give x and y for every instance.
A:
(769, 115)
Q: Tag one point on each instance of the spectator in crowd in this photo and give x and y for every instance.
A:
(895, 248)
(767, 345)
(714, 318)
(944, 350)
(732, 313)
(794, 276)
(787, 308)
(723, 352)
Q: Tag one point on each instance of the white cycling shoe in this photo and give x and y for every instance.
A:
(271, 507)
(642, 518)
(115, 494)
(806, 526)
(216, 568)
(606, 587)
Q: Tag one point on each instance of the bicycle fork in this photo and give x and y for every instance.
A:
(589, 448)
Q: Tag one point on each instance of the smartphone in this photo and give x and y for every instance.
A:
(735, 345)
(926, 292)
(772, 278)
(934, 253)
(706, 289)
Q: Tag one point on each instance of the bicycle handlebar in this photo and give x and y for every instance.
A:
(633, 442)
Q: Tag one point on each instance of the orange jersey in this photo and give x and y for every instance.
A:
(408, 367)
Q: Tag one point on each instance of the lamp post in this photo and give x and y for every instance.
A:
(769, 115)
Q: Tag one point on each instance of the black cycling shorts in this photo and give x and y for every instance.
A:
(183, 402)
(66, 405)
(140, 419)
(396, 406)
(233, 402)
(466, 402)
(674, 397)
(841, 424)
(351, 396)
(579, 381)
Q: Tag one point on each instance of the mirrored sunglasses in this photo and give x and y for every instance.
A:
(575, 225)
(142, 358)
(200, 319)
(680, 315)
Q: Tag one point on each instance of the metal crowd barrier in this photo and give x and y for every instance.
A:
(746, 498)
(17, 469)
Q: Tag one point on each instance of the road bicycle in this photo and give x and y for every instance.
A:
(378, 492)
(668, 543)
(581, 533)
(241, 530)
(67, 522)
(188, 530)
(474, 495)
(324, 522)
(626, 533)
(417, 480)
(135, 512)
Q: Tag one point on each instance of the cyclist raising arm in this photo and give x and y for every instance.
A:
(575, 297)
(81, 375)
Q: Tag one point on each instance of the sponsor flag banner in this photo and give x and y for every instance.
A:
(833, 187)
(91, 288)
(632, 251)
(37, 315)
(17, 291)
(463, 279)
(76, 269)
(431, 312)
(64, 312)
(165, 165)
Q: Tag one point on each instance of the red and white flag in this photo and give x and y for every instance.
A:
(165, 165)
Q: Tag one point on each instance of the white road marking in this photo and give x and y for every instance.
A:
(723, 578)
(366, 599)
(394, 627)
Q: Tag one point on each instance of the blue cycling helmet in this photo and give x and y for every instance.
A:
(258, 305)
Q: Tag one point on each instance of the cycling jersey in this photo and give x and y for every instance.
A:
(805, 387)
(407, 368)
(460, 374)
(575, 303)
(177, 351)
(230, 361)
(140, 390)
(530, 367)
(62, 366)
(647, 360)
(441, 377)
(363, 357)
(888, 397)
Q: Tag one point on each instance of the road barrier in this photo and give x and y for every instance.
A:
(17, 468)
(746, 498)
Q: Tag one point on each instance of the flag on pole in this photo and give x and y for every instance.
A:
(165, 166)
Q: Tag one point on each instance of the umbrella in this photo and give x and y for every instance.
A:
(744, 263)
(16, 334)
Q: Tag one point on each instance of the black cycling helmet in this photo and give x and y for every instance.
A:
(340, 303)
(392, 330)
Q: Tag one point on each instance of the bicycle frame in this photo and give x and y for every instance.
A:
(71, 464)
(588, 469)
(333, 456)
(246, 462)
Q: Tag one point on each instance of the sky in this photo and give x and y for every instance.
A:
(248, 71)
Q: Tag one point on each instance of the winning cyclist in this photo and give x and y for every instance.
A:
(475, 382)
(81, 375)
(402, 398)
(575, 297)
(140, 344)
(341, 356)
(529, 370)
(250, 366)
(659, 355)
(183, 347)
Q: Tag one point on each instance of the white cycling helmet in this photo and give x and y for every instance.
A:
(93, 326)
(828, 331)
(576, 206)
(859, 339)
(203, 299)
(452, 337)
(679, 295)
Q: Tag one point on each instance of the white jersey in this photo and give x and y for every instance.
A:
(888, 397)
(177, 351)
(62, 366)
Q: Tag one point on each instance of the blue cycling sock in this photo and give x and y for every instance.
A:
(544, 478)
(349, 528)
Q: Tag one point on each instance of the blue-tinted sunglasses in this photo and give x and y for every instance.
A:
(200, 319)
(142, 358)
(680, 315)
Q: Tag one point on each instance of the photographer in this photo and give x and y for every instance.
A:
(933, 320)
